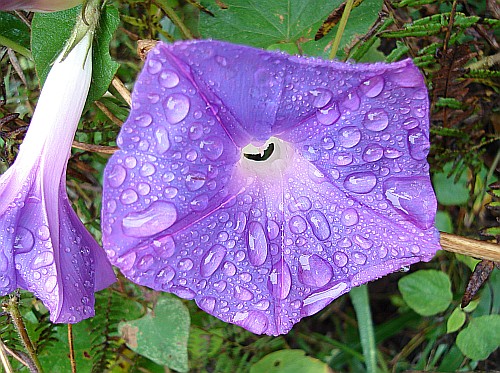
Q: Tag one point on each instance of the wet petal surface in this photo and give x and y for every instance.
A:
(343, 197)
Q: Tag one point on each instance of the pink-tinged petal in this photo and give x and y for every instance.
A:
(38, 5)
(44, 247)
(344, 197)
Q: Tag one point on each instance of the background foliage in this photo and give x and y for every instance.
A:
(418, 323)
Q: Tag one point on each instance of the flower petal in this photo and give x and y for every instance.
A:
(344, 197)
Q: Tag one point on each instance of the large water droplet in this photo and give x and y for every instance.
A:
(418, 144)
(165, 275)
(363, 242)
(328, 115)
(228, 269)
(372, 153)
(154, 66)
(195, 131)
(340, 259)
(349, 136)
(195, 181)
(408, 76)
(145, 262)
(199, 203)
(143, 120)
(342, 158)
(207, 304)
(349, 217)
(322, 97)
(212, 260)
(50, 284)
(183, 292)
(318, 300)
(314, 271)
(392, 153)
(359, 258)
(129, 196)
(117, 176)
(297, 224)
(43, 259)
(157, 217)
(410, 123)
(360, 182)
(319, 224)
(43, 232)
(273, 229)
(280, 280)
(242, 294)
(185, 264)
(169, 79)
(254, 321)
(241, 221)
(162, 141)
(176, 107)
(212, 148)
(147, 169)
(351, 102)
(373, 86)
(376, 120)
(23, 241)
(412, 197)
(257, 243)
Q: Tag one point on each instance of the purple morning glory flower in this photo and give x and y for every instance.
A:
(264, 186)
(44, 247)
(39, 5)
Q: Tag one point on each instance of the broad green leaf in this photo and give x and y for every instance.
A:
(427, 292)
(288, 25)
(14, 33)
(289, 361)
(444, 222)
(161, 335)
(480, 338)
(455, 321)
(50, 31)
(447, 191)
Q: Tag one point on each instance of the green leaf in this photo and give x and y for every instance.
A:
(50, 31)
(447, 191)
(480, 338)
(289, 361)
(288, 25)
(14, 33)
(455, 321)
(444, 222)
(427, 292)
(162, 335)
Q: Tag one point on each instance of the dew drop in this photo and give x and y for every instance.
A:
(154, 66)
(185, 264)
(170, 192)
(199, 203)
(349, 136)
(43, 232)
(130, 162)
(207, 304)
(273, 229)
(143, 120)
(241, 221)
(342, 158)
(129, 196)
(195, 181)
(212, 148)
(165, 275)
(162, 141)
(212, 260)
(254, 321)
(195, 131)
(372, 153)
(392, 153)
(280, 280)
(418, 144)
(143, 189)
(257, 243)
(322, 97)
(145, 262)
(376, 120)
(373, 86)
(314, 271)
(360, 182)
(157, 217)
(363, 242)
(147, 169)
(242, 294)
(229, 269)
(318, 300)
(50, 284)
(359, 258)
(349, 217)
(183, 292)
(169, 79)
(42, 260)
(351, 102)
(329, 115)
(410, 123)
(319, 224)
(117, 176)
(297, 224)
(23, 241)
(176, 107)
(340, 259)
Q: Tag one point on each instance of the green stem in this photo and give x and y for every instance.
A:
(340, 30)
(186, 33)
(15, 47)
(17, 319)
(361, 303)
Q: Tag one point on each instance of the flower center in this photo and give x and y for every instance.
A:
(268, 159)
(263, 152)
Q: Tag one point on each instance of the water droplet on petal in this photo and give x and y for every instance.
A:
(185, 264)
(199, 203)
(195, 181)
(319, 224)
(254, 321)
(147, 169)
(145, 262)
(359, 258)
(373, 86)
(418, 144)
(24, 240)
(165, 275)
(183, 292)
(372, 153)
(195, 131)
(212, 260)
(322, 97)
(340, 259)
(318, 300)
(207, 304)
(162, 141)
(349, 136)
(314, 271)
(410, 123)
(117, 176)
(154, 66)
(342, 158)
(280, 280)
(143, 120)
(43, 232)
(212, 148)
(176, 107)
(376, 120)
(297, 224)
(50, 284)
(157, 217)
(129, 196)
(351, 102)
(242, 294)
(392, 153)
(169, 79)
(170, 192)
(273, 229)
(143, 189)
(349, 217)
(329, 115)
(363, 242)
(228, 269)
(360, 182)
(241, 221)
(257, 243)
(43, 259)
